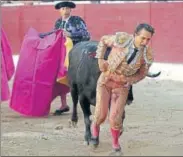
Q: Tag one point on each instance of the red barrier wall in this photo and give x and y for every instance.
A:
(167, 18)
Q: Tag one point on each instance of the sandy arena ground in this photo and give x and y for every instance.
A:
(153, 126)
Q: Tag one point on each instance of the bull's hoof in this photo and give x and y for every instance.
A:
(74, 119)
(87, 139)
(87, 143)
(95, 141)
(60, 111)
(72, 124)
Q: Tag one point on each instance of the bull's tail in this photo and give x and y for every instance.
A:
(74, 95)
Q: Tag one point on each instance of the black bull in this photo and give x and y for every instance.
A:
(83, 72)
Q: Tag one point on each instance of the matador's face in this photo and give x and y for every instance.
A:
(142, 38)
(65, 12)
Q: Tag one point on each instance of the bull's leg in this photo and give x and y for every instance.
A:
(123, 118)
(130, 96)
(74, 95)
(85, 105)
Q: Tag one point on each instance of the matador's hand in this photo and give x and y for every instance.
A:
(66, 33)
(103, 65)
(118, 78)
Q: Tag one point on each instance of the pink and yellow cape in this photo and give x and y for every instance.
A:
(7, 66)
(41, 73)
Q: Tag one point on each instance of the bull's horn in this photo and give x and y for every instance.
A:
(150, 74)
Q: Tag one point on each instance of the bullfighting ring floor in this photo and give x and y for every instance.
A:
(153, 124)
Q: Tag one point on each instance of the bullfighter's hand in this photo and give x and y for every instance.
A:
(127, 85)
(66, 33)
(118, 78)
(123, 78)
(103, 65)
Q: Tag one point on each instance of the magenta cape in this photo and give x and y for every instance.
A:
(41, 62)
(7, 66)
